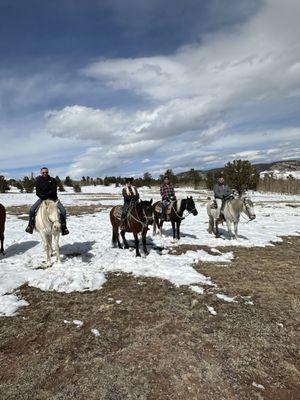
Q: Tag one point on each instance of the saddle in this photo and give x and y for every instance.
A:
(117, 213)
(158, 208)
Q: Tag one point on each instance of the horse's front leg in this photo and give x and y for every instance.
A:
(136, 241)
(48, 249)
(178, 229)
(174, 229)
(144, 233)
(57, 251)
(216, 229)
(235, 224)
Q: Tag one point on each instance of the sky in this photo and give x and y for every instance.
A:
(121, 87)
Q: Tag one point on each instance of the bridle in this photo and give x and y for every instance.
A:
(186, 215)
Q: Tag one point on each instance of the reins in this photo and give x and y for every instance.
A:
(144, 225)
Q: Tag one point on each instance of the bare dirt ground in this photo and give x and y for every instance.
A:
(161, 342)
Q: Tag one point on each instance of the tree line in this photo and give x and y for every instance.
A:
(240, 175)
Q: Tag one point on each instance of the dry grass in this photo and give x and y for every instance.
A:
(154, 345)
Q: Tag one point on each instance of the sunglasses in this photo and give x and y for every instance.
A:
(45, 173)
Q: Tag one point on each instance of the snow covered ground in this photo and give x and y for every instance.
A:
(87, 254)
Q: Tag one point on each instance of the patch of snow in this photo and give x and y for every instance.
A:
(197, 289)
(87, 255)
(258, 385)
(226, 298)
(95, 332)
(78, 323)
(118, 301)
(211, 310)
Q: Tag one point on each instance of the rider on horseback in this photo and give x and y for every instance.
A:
(46, 189)
(167, 193)
(221, 193)
(130, 195)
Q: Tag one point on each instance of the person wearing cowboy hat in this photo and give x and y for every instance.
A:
(167, 193)
(130, 194)
(221, 193)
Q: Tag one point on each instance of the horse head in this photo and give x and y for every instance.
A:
(53, 215)
(248, 208)
(190, 205)
(148, 211)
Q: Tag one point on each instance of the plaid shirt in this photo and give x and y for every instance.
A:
(167, 191)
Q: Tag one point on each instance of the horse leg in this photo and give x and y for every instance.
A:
(229, 229)
(115, 237)
(235, 224)
(160, 226)
(144, 233)
(136, 241)
(56, 245)
(210, 225)
(174, 229)
(126, 245)
(216, 229)
(48, 248)
(178, 229)
(2, 247)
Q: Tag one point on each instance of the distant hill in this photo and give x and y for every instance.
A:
(284, 166)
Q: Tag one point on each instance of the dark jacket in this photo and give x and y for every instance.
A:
(221, 191)
(46, 188)
(128, 197)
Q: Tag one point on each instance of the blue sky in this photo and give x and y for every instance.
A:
(126, 86)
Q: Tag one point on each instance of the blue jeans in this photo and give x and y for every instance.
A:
(165, 204)
(124, 210)
(36, 205)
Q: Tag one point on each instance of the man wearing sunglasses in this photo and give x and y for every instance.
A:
(46, 189)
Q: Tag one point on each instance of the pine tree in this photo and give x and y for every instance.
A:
(76, 188)
(68, 181)
(60, 184)
(28, 184)
(4, 186)
(241, 175)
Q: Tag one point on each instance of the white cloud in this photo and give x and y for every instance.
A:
(206, 103)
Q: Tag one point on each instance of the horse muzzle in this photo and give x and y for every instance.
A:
(252, 217)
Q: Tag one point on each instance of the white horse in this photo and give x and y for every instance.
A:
(231, 213)
(47, 223)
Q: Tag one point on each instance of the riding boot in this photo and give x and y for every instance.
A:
(63, 222)
(30, 226)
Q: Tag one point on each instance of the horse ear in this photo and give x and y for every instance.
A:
(151, 201)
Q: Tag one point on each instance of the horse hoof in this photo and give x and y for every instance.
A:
(146, 253)
(138, 255)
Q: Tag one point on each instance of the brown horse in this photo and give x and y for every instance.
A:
(139, 216)
(2, 226)
(175, 215)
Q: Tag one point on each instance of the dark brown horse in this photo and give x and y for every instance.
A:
(139, 216)
(2, 226)
(175, 215)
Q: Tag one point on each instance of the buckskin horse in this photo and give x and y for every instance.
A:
(139, 216)
(2, 226)
(231, 213)
(175, 214)
(47, 223)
